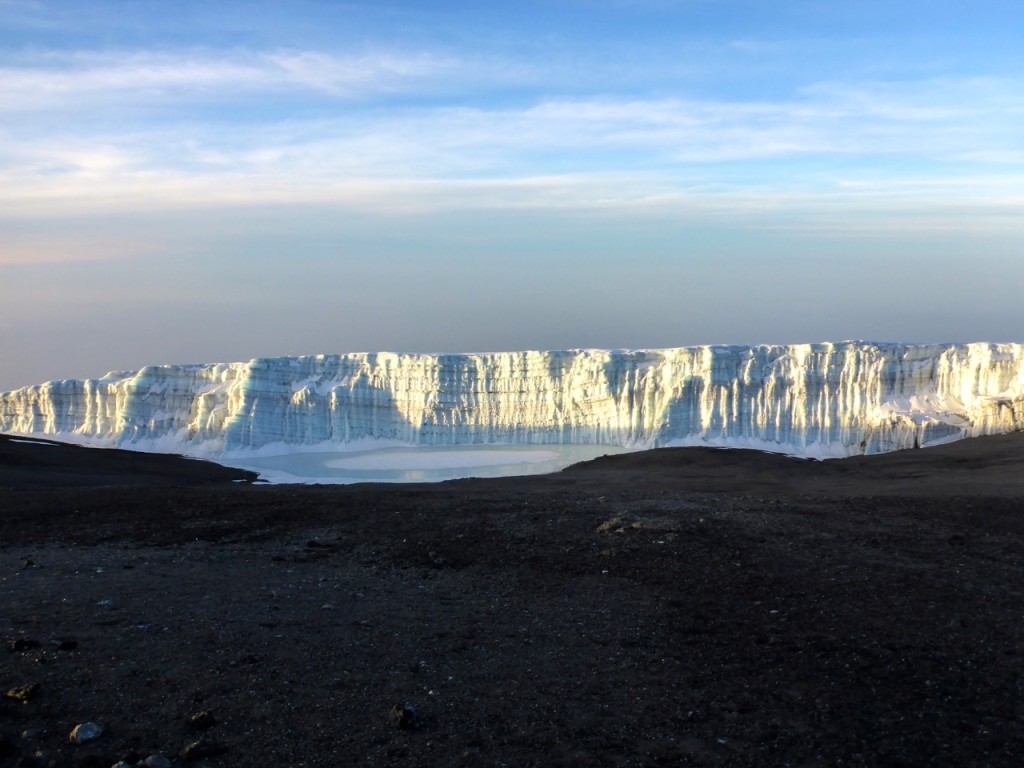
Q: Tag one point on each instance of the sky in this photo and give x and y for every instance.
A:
(197, 182)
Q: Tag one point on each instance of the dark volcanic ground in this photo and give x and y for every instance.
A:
(677, 607)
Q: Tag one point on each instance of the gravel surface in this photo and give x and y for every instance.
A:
(678, 607)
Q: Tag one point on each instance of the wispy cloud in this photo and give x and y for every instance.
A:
(352, 75)
(584, 152)
(940, 122)
(757, 47)
(67, 81)
(853, 203)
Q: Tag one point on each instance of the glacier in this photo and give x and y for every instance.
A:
(817, 400)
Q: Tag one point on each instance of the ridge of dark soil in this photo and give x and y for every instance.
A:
(33, 463)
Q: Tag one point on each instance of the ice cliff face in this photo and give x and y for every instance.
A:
(811, 399)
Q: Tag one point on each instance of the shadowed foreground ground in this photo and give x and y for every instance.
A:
(685, 606)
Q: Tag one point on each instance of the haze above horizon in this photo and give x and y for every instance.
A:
(192, 181)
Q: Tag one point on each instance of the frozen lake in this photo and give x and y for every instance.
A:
(418, 464)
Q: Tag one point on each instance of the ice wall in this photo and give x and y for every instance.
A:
(811, 399)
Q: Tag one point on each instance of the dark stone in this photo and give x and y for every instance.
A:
(200, 721)
(403, 716)
(23, 693)
(66, 644)
(23, 644)
(85, 732)
(201, 748)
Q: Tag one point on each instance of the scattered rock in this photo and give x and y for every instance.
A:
(200, 721)
(197, 750)
(23, 693)
(66, 644)
(22, 644)
(157, 761)
(85, 732)
(403, 716)
(616, 524)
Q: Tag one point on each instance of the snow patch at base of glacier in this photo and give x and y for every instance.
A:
(417, 464)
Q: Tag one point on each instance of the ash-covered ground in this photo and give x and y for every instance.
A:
(675, 607)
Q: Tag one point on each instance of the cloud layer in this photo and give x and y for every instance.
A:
(100, 132)
(194, 180)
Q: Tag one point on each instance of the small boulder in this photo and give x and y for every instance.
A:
(22, 644)
(200, 721)
(23, 693)
(403, 716)
(85, 732)
(201, 748)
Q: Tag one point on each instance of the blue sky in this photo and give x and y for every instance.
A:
(196, 181)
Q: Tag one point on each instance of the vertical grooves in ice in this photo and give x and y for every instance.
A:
(811, 399)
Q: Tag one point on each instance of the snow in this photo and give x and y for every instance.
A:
(416, 459)
(818, 400)
(424, 464)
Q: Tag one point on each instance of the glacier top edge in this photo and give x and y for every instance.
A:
(121, 374)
